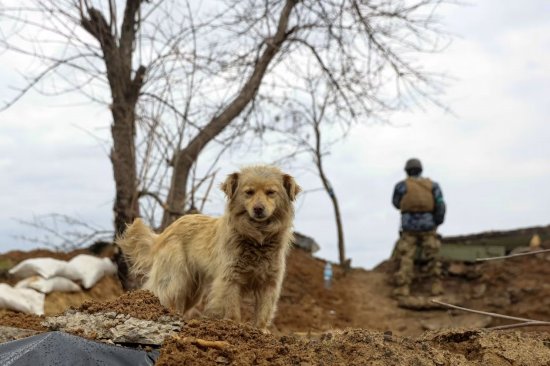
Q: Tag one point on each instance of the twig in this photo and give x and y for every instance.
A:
(512, 255)
(524, 321)
(204, 342)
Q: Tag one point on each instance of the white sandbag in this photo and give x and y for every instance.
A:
(60, 284)
(44, 267)
(21, 299)
(89, 269)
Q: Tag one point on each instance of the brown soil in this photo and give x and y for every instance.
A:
(303, 331)
(517, 286)
(223, 342)
(358, 299)
(15, 319)
(108, 288)
(139, 304)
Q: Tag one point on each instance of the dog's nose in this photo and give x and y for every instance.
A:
(258, 210)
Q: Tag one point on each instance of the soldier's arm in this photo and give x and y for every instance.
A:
(398, 193)
(440, 207)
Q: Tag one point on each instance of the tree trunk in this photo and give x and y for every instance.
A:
(123, 159)
(186, 157)
(337, 216)
(328, 188)
(117, 55)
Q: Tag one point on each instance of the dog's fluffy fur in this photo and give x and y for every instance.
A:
(242, 252)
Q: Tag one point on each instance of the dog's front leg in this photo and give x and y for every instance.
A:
(225, 301)
(266, 304)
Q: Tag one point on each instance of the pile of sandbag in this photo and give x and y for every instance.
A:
(41, 276)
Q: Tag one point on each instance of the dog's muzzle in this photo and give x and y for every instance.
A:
(259, 212)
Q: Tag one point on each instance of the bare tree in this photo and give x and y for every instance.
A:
(311, 116)
(184, 75)
(63, 233)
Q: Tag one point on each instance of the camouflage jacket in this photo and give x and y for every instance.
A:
(420, 221)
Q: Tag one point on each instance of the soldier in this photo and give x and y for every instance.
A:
(422, 211)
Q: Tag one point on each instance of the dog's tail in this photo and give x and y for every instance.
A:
(136, 243)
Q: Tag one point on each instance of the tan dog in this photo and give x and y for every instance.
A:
(242, 252)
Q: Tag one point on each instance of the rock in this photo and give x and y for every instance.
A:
(222, 360)
(107, 327)
(457, 268)
(306, 243)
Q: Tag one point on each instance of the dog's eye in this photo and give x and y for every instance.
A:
(270, 192)
(249, 192)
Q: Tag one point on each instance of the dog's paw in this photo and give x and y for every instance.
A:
(265, 331)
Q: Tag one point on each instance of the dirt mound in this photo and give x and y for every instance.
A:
(108, 288)
(516, 286)
(303, 332)
(305, 304)
(357, 299)
(224, 342)
(15, 319)
(360, 298)
(139, 304)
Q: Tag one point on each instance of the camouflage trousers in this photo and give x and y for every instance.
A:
(406, 249)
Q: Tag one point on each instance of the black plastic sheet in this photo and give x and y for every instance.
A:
(59, 349)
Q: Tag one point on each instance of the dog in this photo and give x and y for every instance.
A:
(240, 253)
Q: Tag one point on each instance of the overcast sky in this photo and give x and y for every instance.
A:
(491, 157)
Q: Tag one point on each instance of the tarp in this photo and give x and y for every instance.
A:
(58, 348)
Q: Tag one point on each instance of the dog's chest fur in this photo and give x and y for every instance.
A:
(257, 265)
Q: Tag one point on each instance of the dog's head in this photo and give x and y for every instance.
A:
(262, 192)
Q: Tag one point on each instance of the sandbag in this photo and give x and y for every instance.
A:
(24, 300)
(89, 269)
(47, 285)
(44, 267)
(59, 349)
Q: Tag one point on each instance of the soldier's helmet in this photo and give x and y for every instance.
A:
(413, 165)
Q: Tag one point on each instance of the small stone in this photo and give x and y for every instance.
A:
(193, 323)
(457, 269)
(222, 360)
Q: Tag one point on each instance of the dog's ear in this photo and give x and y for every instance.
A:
(291, 187)
(229, 187)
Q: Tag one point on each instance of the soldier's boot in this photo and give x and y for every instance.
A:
(401, 291)
(437, 288)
